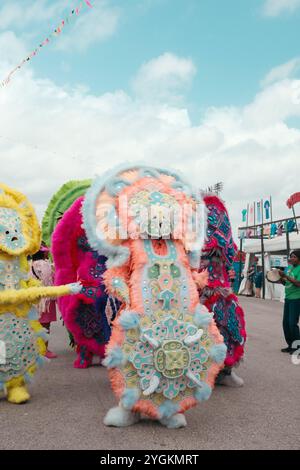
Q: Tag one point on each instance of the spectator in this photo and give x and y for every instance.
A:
(291, 311)
(42, 270)
(258, 279)
(249, 281)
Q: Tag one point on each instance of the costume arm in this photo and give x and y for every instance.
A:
(32, 294)
(116, 282)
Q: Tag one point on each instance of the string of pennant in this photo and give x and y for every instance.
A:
(57, 31)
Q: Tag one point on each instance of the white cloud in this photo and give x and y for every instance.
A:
(274, 104)
(11, 49)
(277, 7)
(50, 134)
(286, 70)
(92, 25)
(164, 77)
(15, 15)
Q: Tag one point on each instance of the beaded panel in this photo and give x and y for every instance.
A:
(11, 235)
(21, 350)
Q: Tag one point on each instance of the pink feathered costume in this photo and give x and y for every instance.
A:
(87, 315)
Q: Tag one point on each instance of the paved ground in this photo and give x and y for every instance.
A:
(68, 405)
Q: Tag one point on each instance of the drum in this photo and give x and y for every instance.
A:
(273, 276)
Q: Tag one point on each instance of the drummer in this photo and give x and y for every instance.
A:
(291, 312)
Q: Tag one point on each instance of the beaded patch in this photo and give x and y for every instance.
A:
(21, 349)
(219, 232)
(154, 211)
(10, 273)
(169, 358)
(11, 235)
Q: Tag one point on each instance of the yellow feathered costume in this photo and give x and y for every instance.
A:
(22, 338)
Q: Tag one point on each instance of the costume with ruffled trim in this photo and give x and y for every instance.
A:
(22, 338)
(165, 350)
(87, 315)
(217, 257)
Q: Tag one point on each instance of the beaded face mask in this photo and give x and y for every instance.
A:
(154, 213)
(11, 234)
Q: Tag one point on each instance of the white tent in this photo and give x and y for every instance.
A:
(273, 245)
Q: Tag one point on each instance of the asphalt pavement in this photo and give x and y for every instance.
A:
(68, 405)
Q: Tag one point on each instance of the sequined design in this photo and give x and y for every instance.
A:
(10, 273)
(98, 270)
(165, 287)
(83, 244)
(11, 235)
(217, 257)
(90, 314)
(91, 322)
(154, 212)
(219, 232)
(226, 317)
(170, 359)
(21, 350)
(157, 350)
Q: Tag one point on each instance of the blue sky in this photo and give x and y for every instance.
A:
(209, 87)
(232, 44)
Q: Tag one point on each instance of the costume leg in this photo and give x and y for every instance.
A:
(174, 422)
(17, 392)
(294, 313)
(229, 378)
(49, 354)
(286, 322)
(47, 327)
(102, 353)
(119, 417)
(22, 337)
(84, 358)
